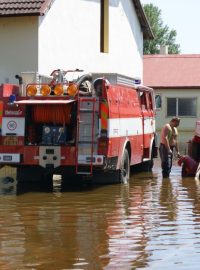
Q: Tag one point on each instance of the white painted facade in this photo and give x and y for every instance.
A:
(68, 37)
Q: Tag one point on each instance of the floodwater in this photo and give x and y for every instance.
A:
(150, 223)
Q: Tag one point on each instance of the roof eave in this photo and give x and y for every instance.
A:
(22, 14)
(45, 7)
(146, 28)
(42, 11)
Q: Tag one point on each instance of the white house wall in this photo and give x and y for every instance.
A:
(69, 37)
(18, 47)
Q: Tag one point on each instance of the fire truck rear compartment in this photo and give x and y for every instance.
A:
(62, 128)
(50, 124)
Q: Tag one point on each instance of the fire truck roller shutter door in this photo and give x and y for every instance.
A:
(58, 114)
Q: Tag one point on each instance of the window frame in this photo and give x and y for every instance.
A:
(177, 106)
(161, 102)
(104, 26)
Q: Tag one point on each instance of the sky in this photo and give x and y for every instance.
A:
(184, 17)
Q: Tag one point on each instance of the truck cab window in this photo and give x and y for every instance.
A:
(143, 101)
(98, 87)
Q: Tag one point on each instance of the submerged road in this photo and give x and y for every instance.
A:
(150, 223)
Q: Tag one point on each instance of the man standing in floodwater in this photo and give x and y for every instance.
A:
(168, 142)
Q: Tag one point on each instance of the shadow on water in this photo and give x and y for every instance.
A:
(10, 186)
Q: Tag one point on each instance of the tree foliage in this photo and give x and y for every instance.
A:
(162, 34)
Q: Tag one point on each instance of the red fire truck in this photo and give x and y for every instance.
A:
(94, 124)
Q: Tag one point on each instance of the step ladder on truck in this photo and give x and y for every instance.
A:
(87, 128)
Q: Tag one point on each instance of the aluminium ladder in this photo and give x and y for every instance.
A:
(86, 138)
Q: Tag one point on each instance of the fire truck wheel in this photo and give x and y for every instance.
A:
(125, 168)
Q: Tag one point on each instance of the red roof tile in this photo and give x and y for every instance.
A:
(172, 71)
(23, 7)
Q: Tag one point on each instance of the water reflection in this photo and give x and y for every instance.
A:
(8, 181)
(151, 223)
(193, 191)
(128, 226)
(168, 200)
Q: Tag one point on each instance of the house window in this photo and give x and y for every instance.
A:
(104, 26)
(182, 107)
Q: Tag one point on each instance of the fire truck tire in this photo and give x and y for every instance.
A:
(124, 174)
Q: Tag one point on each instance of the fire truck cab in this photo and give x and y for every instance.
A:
(85, 124)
